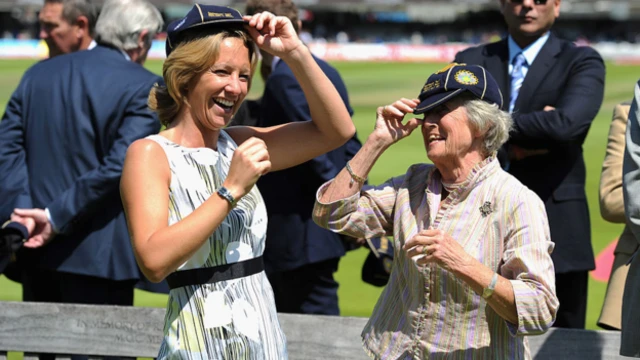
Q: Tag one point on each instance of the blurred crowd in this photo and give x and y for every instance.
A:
(470, 28)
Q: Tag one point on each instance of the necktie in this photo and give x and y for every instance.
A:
(517, 77)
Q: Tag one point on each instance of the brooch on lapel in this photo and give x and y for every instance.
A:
(486, 209)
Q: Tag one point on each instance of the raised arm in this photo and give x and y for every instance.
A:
(330, 125)
(389, 129)
(611, 198)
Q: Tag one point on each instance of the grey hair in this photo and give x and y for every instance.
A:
(487, 118)
(121, 22)
(71, 9)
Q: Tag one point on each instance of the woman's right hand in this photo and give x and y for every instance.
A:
(389, 128)
(249, 162)
(274, 34)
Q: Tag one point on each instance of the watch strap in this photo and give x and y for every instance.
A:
(488, 291)
(226, 194)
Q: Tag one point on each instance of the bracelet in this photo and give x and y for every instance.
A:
(354, 176)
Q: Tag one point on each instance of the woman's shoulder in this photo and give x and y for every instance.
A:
(149, 146)
(144, 158)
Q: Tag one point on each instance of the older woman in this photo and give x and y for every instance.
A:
(472, 272)
(194, 214)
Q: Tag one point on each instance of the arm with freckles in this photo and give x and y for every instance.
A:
(330, 125)
(389, 129)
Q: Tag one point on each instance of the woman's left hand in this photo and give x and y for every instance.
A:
(436, 246)
(274, 34)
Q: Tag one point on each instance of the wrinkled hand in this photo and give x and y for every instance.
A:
(42, 231)
(436, 246)
(249, 162)
(389, 128)
(274, 34)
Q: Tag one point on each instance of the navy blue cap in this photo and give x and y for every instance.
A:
(455, 79)
(12, 236)
(201, 16)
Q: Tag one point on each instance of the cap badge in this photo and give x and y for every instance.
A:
(466, 77)
(430, 86)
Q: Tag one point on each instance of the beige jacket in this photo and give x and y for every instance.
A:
(630, 338)
(612, 209)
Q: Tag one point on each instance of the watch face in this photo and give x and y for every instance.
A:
(487, 292)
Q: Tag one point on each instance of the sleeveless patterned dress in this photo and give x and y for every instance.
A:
(233, 319)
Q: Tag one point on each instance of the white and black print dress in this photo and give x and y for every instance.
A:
(233, 319)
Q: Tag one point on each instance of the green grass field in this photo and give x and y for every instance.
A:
(375, 84)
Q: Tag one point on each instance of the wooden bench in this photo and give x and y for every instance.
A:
(137, 332)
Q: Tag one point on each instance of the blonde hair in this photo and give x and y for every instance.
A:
(196, 53)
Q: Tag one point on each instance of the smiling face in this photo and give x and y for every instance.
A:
(447, 134)
(215, 94)
(530, 18)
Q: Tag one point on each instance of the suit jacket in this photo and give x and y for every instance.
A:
(571, 79)
(63, 140)
(293, 239)
(630, 341)
(612, 209)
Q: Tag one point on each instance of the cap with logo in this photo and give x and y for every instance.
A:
(455, 79)
(201, 16)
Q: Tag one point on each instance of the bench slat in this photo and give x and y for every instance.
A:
(81, 329)
(137, 332)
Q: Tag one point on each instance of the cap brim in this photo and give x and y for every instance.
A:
(173, 41)
(435, 100)
(216, 22)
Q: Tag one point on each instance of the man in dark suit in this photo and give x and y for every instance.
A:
(554, 90)
(300, 257)
(65, 26)
(63, 139)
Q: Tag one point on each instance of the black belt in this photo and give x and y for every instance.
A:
(214, 274)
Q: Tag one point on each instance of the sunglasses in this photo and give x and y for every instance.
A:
(536, 2)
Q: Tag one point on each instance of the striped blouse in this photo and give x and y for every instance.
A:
(426, 312)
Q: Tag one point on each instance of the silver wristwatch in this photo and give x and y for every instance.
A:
(225, 194)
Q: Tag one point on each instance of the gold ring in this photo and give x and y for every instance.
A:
(424, 250)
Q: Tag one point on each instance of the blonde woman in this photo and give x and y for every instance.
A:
(194, 214)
